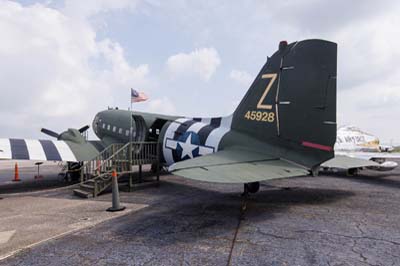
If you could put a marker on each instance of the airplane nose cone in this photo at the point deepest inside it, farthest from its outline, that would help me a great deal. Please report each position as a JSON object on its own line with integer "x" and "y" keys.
{"x": 96, "y": 124}
{"x": 389, "y": 165}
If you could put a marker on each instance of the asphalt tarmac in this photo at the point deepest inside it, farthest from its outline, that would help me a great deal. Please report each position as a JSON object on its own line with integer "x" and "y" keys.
{"x": 324, "y": 220}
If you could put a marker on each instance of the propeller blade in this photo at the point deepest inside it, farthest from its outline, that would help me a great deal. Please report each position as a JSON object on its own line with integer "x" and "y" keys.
{"x": 83, "y": 129}
{"x": 50, "y": 133}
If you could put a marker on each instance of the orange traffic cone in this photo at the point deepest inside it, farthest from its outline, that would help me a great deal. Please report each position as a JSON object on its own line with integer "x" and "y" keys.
{"x": 16, "y": 173}
{"x": 116, "y": 205}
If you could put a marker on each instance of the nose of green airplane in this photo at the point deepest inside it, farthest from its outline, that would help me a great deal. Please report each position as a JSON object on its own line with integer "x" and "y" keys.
{"x": 97, "y": 124}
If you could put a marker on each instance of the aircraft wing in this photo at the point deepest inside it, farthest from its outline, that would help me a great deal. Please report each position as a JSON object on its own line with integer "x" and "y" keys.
{"x": 347, "y": 162}
{"x": 236, "y": 166}
{"x": 48, "y": 150}
{"x": 373, "y": 155}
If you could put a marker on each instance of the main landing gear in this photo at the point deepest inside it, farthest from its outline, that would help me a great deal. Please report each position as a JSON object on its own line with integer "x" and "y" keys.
{"x": 353, "y": 172}
{"x": 252, "y": 187}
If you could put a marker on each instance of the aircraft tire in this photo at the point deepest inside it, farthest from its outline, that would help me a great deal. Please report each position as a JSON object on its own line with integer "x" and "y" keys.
{"x": 352, "y": 172}
{"x": 253, "y": 187}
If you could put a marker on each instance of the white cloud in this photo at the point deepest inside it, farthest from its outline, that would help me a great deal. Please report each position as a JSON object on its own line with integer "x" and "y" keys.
{"x": 161, "y": 106}
{"x": 201, "y": 63}
{"x": 120, "y": 71}
{"x": 370, "y": 52}
{"x": 368, "y": 79}
{"x": 242, "y": 77}
{"x": 373, "y": 106}
{"x": 368, "y": 38}
{"x": 88, "y": 8}
{"x": 58, "y": 68}
{"x": 47, "y": 68}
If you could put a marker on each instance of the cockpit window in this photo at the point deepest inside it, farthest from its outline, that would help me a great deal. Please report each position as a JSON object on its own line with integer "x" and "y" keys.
{"x": 95, "y": 123}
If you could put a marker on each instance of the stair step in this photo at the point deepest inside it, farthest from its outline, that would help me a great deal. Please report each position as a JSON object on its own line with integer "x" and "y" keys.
{"x": 90, "y": 182}
{"x": 82, "y": 193}
{"x": 87, "y": 187}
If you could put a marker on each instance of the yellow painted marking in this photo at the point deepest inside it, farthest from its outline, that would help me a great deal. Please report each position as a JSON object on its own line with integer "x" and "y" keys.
{"x": 272, "y": 78}
{"x": 260, "y": 116}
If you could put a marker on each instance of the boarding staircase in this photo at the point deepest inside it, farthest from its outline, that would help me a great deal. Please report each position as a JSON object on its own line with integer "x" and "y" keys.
{"x": 96, "y": 174}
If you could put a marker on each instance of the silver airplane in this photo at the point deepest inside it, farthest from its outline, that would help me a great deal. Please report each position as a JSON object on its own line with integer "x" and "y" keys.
{"x": 356, "y": 149}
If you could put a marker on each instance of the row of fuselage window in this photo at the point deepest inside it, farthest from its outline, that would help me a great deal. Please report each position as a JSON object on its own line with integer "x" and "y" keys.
{"x": 114, "y": 129}
{"x": 121, "y": 130}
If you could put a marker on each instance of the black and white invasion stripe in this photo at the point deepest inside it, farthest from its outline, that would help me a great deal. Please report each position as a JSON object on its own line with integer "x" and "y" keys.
{"x": 209, "y": 130}
{"x": 35, "y": 150}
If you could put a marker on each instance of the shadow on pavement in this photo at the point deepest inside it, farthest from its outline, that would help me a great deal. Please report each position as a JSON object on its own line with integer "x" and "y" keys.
{"x": 204, "y": 214}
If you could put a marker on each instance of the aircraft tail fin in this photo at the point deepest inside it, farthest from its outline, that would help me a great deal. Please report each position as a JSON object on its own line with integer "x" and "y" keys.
{"x": 292, "y": 102}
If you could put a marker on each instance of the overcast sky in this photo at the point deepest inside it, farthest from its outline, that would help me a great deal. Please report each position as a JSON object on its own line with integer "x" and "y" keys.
{"x": 63, "y": 61}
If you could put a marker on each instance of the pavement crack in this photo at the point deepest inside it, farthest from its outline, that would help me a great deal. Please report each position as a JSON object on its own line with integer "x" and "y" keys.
{"x": 353, "y": 249}
{"x": 182, "y": 258}
{"x": 350, "y": 236}
{"x": 275, "y": 236}
{"x": 358, "y": 226}
{"x": 243, "y": 208}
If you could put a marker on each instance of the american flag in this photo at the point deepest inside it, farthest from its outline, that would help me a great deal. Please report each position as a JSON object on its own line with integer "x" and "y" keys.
{"x": 138, "y": 96}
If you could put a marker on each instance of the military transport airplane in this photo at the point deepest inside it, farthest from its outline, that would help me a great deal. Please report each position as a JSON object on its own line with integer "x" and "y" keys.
{"x": 356, "y": 149}
{"x": 285, "y": 126}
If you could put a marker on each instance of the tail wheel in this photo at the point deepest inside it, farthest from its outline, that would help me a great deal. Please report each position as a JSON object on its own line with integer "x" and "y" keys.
{"x": 353, "y": 172}
{"x": 253, "y": 187}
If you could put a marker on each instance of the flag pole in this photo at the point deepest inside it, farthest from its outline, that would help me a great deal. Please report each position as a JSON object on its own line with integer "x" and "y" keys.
{"x": 130, "y": 129}
{"x": 130, "y": 133}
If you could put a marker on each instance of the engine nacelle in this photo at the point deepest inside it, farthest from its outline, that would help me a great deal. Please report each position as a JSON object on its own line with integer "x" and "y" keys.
{"x": 384, "y": 166}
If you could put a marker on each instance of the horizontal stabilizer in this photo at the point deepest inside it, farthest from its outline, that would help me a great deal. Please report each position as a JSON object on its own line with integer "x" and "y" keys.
{"x": 236, "y": 166}
{"x": 346, "y": 162}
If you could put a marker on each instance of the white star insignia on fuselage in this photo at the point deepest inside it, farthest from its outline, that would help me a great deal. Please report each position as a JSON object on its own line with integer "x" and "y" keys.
{"x": 188, "y": 147}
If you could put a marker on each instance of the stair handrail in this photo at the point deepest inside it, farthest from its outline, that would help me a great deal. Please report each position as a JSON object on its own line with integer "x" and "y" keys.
{"x": 104, "y": 161}
{"x": 99, "y": 157}
{"x": 118, "y": 151}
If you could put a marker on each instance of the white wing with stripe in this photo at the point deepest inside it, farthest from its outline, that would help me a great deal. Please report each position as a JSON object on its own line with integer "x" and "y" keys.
{"x": 5, "y": 149}
{"x": 35, "y": 150}
{"x": 64, "y": 151}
